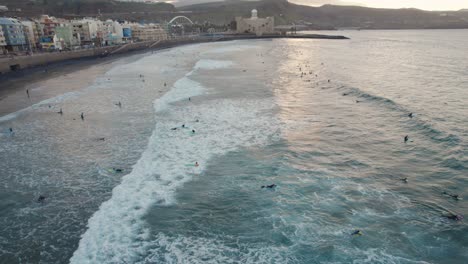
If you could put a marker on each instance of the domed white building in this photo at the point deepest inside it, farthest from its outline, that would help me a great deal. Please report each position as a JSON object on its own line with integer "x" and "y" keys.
{"x": 255, "y": 25}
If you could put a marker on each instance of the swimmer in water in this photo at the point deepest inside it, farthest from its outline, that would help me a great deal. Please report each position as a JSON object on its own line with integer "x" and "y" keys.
{"x": 41, "y": 199}
{"x": 183, "y": 125}
{"x": 406, "y": 138}
{"x": 119, "y": 104}
{"x": 117, "y": 170}
{"x": 455, "y": 217}
{"x": 410, "y": 115}
{"x": 405, "y": 180}
{"x": 357, "y": 233}
{"x": 454, "y": 196}
{"x": 271, "y": 186}
{"x": 196, "y": 164}
{"x": 174, "y": 128}
{"x": 11, "y": 130}
{"x": 193, "y": 131}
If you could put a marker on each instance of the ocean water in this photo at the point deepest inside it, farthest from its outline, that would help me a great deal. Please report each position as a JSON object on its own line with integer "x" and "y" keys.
{"x": 324, "y": 120}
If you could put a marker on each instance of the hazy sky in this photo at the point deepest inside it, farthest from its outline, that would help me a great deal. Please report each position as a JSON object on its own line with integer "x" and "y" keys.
{"x": 421, "y": 4}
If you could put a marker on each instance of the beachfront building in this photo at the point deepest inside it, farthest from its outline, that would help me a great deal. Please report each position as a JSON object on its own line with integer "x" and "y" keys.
{"x": 33, "y": 32}
{"x": 13, "y": 32}
{"x": 2, "y": 42}
{"x": 255, "y": 25}
{"x": 48, "y": 24}
{"x": 87, "y": 29}
{"x": 112, "y": 32}
{"x": 148, "y": 32}
{"x": 65, "y": 38}
{"x": 127, "y": 32}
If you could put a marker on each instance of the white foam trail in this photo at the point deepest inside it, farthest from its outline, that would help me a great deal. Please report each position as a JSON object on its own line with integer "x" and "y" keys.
{"x": 116, "y": 232}
{"x": 230, "y": 48}
{"x": 11, "y": 116}
{"x": 183, "y": 89}
{"x": 213, "y": 64}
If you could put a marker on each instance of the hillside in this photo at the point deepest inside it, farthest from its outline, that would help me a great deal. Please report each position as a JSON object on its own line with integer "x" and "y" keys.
{"x": 80, "y": 8}
{"x": 328, "y": 16}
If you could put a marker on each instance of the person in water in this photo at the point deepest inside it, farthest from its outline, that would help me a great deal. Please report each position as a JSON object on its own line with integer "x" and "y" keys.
{"x": 27, "y": 92}
{"x": 271, "y": 186}
{"x": 193, "y": 131}
{"x": 454, "y": 196}
{"x": 11, "y": 130}
{"x": 82, "y": 116}
{"x": 410, "y": 115}
{"x": 405, "y": 180}
{"x": 406, "y": 138}
{"x": 183, "y": 125}
{"x": 117, "y": 170}
{"x": 174, "y": 128}
{"x": 196, "y": 164}
{"x": 41, "y": 199}
{"x": 60, "y": 112}
{"x": 119, "y": 104}
{"x": 455, "y": 217}
{"x": 357, "y": 233}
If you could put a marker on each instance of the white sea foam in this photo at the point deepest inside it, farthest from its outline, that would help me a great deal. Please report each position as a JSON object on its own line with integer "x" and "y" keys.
{"x": 182, "y": 249}
{"x": 11, "y": 116}
{"x": 183, "y": 89}
{"x": 213, "y": 64}
{"x": 231, "y": 48}
{"x": 116, "y": 232}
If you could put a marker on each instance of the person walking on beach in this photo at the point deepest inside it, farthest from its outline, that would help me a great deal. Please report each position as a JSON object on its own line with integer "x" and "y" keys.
{"x": 27, "y": 92}
{"x": 82, "y": 116}
{"x": 60, "y": 112}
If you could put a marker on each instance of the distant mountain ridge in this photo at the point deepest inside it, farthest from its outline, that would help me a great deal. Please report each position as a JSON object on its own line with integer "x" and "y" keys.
{"x": 285, "y": 13}
{"x": 330, "y": 16}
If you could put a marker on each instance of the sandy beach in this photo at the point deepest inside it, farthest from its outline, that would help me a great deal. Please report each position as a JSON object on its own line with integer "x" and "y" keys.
{"x": 49, "y": 81}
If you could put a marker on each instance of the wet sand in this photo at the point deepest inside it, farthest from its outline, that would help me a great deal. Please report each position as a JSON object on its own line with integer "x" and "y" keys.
{"x": 49, "y": 81}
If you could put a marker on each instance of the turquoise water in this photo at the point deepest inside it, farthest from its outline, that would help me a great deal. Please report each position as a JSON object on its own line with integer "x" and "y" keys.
{"x": 331, "y": 139}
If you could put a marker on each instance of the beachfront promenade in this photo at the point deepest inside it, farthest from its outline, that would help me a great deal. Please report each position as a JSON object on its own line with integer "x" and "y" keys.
{"x": 16, "y": 63}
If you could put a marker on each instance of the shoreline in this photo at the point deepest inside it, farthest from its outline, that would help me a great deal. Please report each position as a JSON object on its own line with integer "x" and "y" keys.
{"x": 13, "y": 84}
{"x": 10, "y": 66}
